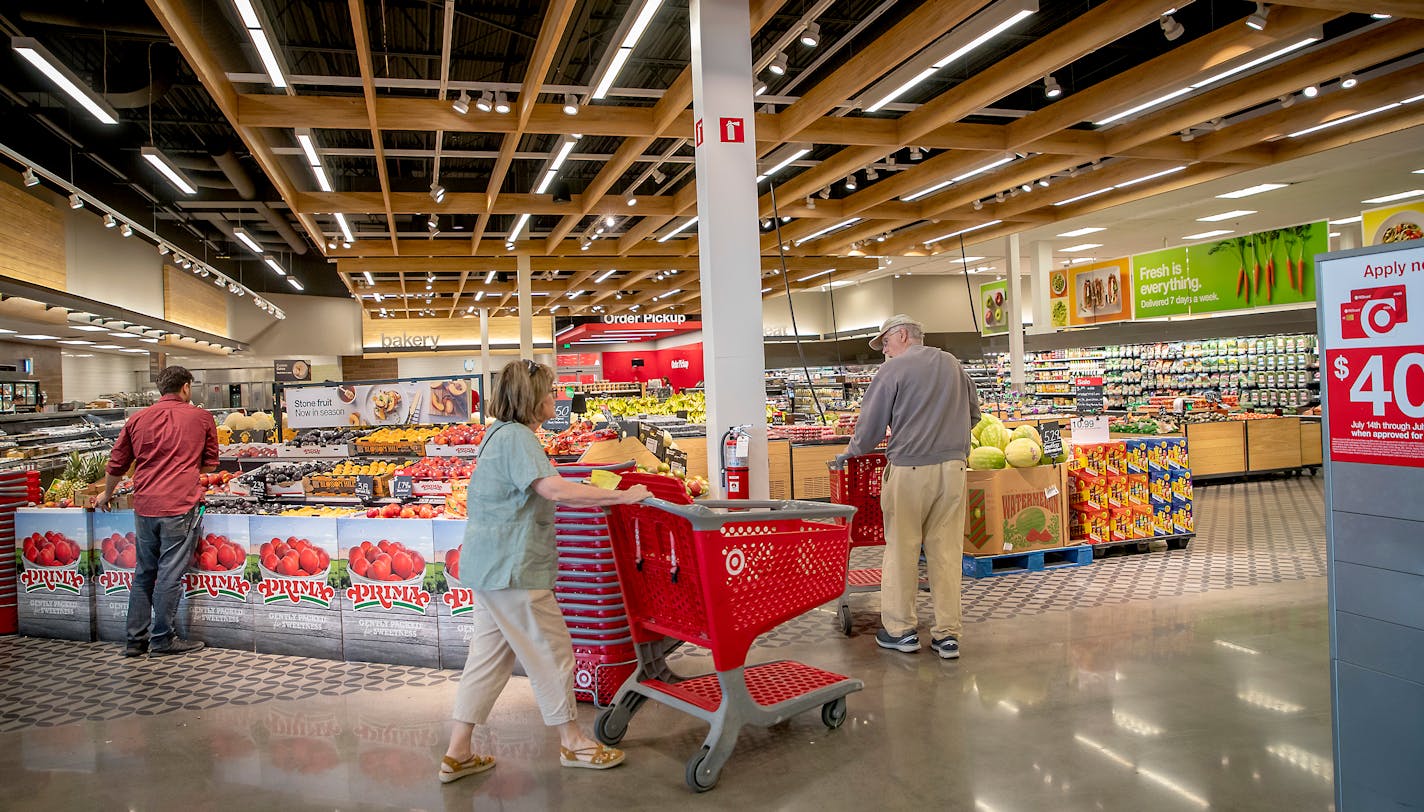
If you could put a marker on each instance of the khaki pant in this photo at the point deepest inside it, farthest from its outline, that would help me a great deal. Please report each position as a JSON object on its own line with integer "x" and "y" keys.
{"x": 923, "y": 505}
{"x": 526, "y": 623}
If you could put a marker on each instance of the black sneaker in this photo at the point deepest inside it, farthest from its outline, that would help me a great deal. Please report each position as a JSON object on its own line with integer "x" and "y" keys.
{"x": 177, "y": 647}
{"x": 136, "y": 649}
{"x": 908, "y": 643}
{"x": 947, "y": 648}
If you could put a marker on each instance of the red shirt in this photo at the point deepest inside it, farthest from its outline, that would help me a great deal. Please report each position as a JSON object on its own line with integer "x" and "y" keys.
{"x": 171, "y": 441}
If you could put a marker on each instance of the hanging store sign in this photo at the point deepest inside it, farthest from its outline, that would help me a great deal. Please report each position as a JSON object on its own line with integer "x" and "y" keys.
{"x": 1098, "y": 293}
{"x": 1393, "y": 224}
{"x": 381, "y": 404}
{"x": 647, "y": 318}
{"x": 994, "y": 307}
{"x": 291, "y": 370}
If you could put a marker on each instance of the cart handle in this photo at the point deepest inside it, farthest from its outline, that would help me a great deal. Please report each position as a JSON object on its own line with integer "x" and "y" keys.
{"x": 840, "y": 460}
{"x": 711, "y": 515}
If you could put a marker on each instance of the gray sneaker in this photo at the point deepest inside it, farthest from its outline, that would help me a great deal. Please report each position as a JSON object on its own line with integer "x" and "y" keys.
{"x": 908, "y": 643}
{"x": 947, "y": 648}
{"x": 177, "y": 647}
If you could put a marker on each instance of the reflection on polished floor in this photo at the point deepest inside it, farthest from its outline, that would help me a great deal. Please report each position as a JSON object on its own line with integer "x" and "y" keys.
{"x": 1187, "y": 680}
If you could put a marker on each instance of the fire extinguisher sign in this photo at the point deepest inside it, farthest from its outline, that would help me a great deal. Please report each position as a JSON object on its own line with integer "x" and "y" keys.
{"x": 1372, "y": 362}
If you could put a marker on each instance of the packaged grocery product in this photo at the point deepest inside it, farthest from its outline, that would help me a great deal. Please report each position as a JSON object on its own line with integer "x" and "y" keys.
{"x": 1115, "y": 458}
{"x": 1141, "y": 522}
{"x": 1157, "y": 456}
{"x": 1087, "y": 491}
{"x": 1137, "y": 456}
{"x": 1182, "y": 518}
{"x": 1116, "y": 491}
{"x": 1176, "y": 452}
{"x": 1088, "y": 459}
{"x": 1159, "y": 490}
{"x": 1137, "y": 492}
{"x": 1091, "y": 526}
{"x": 1180, "y": 481}
{"x": 1120, "y": 524}
{"x": 1162, "y": 520}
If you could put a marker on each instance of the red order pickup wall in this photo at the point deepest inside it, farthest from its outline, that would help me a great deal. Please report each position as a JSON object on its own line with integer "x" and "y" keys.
{"x": 682, "y": 366}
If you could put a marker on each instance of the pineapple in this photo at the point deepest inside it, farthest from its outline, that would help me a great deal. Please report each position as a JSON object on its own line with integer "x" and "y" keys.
{"x": 93, "y": 468}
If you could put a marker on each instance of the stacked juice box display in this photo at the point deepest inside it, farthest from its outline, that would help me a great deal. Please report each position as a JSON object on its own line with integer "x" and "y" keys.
{"x": 58, "y": 571}
{"x": 387, "y": 610}
{"x": 299, "y": 581}
{"x": 218, "y": 592}
{"x": 116, "y": 539}
{"x": 455, "y": 601}
{"x": 1130, "y": 489}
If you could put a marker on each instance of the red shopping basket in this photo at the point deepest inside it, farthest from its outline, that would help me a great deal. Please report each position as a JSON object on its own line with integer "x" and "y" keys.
{"x": 856, "y": 481}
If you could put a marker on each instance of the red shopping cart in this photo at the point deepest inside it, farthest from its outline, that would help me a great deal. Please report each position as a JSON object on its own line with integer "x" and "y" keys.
{"x": 855, "y": 481}
{"x": 718, "y": 574}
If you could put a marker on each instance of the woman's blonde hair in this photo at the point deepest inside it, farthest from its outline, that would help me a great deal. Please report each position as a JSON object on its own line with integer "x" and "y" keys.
{"x": 521, "y": 388}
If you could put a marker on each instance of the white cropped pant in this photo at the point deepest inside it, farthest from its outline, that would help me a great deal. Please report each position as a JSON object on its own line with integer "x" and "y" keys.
{"x": 523, "y": 623}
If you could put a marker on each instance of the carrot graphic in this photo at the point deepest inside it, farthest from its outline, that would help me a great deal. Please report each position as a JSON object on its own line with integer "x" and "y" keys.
{"x": 1255, "y": 246}
{"x": 1235, "y": 247}
{"x": 1289, "y": 236}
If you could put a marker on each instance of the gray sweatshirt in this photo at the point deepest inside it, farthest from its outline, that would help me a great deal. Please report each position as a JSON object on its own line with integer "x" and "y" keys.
{"x": 929, "y": 403}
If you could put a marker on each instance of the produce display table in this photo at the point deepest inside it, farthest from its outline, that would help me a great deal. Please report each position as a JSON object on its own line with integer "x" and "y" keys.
{"x": 1273, "y": 444}
{"x": 1312, "y": 449}
{"x": 1218, "y": 449}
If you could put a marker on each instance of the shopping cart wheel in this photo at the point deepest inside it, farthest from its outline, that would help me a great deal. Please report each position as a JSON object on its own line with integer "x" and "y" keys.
{"x": 833, "y": 714}
{"x": 843, "y": 618}
{"x": 693, "y": 780}
{"x": 611, "y": 725}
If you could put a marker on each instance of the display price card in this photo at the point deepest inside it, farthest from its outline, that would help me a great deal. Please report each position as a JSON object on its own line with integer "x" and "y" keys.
{"x": 652, "y": 439}
{"x": 563, "y": 410}
{"x": 258, "y": 488}
{"x": 365, "y": 487}
{"x": 1090, "y": 394}
{"x": 1052, "y": 435}
{"x": 677, "y": 461}
{"x": 1088, "y": 430}
{"x": 401, "y": 487}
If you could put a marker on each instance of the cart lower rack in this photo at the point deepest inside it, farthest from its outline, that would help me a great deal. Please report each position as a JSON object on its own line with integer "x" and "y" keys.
{"x": 718, "y": 575}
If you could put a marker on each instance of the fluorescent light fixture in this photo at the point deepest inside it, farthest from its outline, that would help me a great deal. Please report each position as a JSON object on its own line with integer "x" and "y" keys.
{"x": 928, "y": 190}
{"x": 1146, "y": 178}
{"x": 966, "y": 260}
{"x": 345, "y": 227}
{"x": 827, "y": 230}
{"x": 246, "y": 239}
{"x": 519, "y": 223}
{"x": 167, "y": 169}
{"x": 479, "y": 294}
{"x": 544, "y": 182}
{"x": 37, "y": 55}
{"x": 620, "y": 57}
{"x": 369, "y": 280}
{"x": 910, "y": 198}
{"x": 1082, "y": 232}
{"x": 123, "y": 335}
{"x": 800, "y": 151}
{"x": 979, "y": 29}
{"x": 1226, "y": 215}
{"x": 1206, "y": 235}
{"x": 292, "y": 280}
{"x": 1079, "y": 260}
{"x": 1357, "y": 218}
{"x": 640, "y": 24}
{"x": 1394, "y": 197}
{"x": 686, "y": 224}
{"x": 88, "y": 328}
{"x": 814, "y": 275}
{"x": 963, "y": 231}
{"x": 37, "y": 337}
{"x": 76, "y": 342}
{"x": 1342, "y": 120}
{"x": 1081, "y": 247}
{"x": 1252, "y": 190}
{"x": 562, "y": 155}
{"x": 1085, "y": 196}
{"x": 272, "y": 263}
{"x": 304, "y": 138}
{"x": 134, "y": 350}
{"x": 108, "y": 347}
{"x": 322, "y": 181}
{"x": 489, "y": 277}
{"x": 602, "y": 277}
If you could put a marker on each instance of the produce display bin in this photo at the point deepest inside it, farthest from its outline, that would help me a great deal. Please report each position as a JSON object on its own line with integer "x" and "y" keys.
{"x": 1273, "y": 444}
{"x": 1218, "y": 449}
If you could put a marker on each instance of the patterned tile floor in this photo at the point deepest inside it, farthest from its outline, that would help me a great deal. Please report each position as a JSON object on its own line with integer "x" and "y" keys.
{"x": 1249, "y": 534}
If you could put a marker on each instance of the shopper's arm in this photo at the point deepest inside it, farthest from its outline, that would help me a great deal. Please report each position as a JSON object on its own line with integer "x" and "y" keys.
{"x": 210, "y": 450}
{"x": 974, "y": 414}
{"x": 559, "y": 489}
{"x": 874, "y": 415}
{"x": 120, "y": 458}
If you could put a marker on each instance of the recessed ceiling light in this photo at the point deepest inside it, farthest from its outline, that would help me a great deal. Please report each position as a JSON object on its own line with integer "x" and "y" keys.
{"x": 1082, "y": 232}
{"x": 1252, "y": 190}
{"x": 37, "y": 337}
{"x": 1206, "y": 235}
{"x": 123, "y": 335}
{"x": 1087, "y": 246}
{"x": 1226, "y": 215}
{"x": 88, "y": 328}
{"x": 107, "y": 347}
{"x": 1396, "y": 196}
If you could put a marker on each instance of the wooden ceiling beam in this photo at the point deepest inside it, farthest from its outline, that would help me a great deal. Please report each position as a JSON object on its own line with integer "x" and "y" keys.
{"x": 409, "y": 268}
{"x": 368, "y": 89}
{"x": 1396, "y": 8}
{"x": 471, "y": 203}
{"x": 1386, "y": 123}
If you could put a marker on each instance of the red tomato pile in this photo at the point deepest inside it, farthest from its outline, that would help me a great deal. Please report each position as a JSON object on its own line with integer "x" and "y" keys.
{"x": 218, "y": 554}
{"x": 51, "y": 549}
{"x": 385, "y": 561}
{"x": 452, "y": 562}
{"x": 294, "y": 556}
{"x": 119, "y": 550}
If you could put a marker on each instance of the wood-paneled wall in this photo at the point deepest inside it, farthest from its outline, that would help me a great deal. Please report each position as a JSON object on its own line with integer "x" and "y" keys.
{"x": 33, "y": 248}
{"x": 356, "y": 368}
{"x": 194, "y": 302}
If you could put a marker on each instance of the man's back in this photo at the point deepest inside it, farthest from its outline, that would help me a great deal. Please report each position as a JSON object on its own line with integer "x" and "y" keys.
{"x": 169, "y": 442}
{"x": 928, "y": 403}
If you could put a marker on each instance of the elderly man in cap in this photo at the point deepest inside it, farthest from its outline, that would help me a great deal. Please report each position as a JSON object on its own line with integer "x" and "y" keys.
{"x": 929, "y": 404}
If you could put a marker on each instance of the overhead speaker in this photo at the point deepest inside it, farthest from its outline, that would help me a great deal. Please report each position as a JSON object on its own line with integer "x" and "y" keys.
{"x": 561, "y": 192}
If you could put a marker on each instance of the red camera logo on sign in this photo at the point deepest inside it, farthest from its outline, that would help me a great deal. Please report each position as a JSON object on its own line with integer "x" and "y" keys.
{"x": 1372, "y": 312}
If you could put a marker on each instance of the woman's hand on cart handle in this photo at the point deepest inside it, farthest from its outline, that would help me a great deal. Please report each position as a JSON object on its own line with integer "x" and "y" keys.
{"x": 636, "y": 494}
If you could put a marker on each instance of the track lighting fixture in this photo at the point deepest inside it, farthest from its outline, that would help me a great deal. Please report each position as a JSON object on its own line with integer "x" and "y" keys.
{"x": 811, "y": 35}
{"x": 571, "y": 107}
{"x": 1027, "y": 187}
{"x": 1187, "y": 135}
{"x": 760, "y": 89}
{"x": 1051, "y": 88}
{"x": 810, "y": 202}
{"x": 501, "y": 103}
{"x": 31, "y": 179}
{"x": 1171, "y": 29}
{"x": 1310, "y": 91}
{"x": 163, "y": 249}
{"x": 1043, "y": 182}
{"x": 850, "y": 182}
{"x": 1258, "y": 19}
{"x": 1347, "y": 81}
{"x": 778, "y": 65}
{"x": 825, "y": 193}
{"x": 485, "y": 103}
{"x": 999, "y": 198}
{"x": 76, "y": 202}
{"x": 765, "y": 224}
{"x": 1287, "y": 100}
{"x": 126, "y": 230}
{"x": 461, "y": 103}
{"x": 915, "y": 154}
{"x": 109, "y": 221}
{"x": 658, "y": 177}
{"x": 632, "y": 201}
{"x": 978, "y": 204}
{"x": 871, "y": 174}
{"x": 437, "y": 192}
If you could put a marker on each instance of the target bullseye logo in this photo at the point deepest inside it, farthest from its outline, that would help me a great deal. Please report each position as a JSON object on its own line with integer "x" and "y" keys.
{"x": 736, "y": 561}
{"x": 584, "y": 678}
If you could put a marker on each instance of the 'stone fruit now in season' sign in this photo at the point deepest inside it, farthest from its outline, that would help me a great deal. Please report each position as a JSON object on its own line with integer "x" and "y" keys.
{"x": 1373, "y": 363}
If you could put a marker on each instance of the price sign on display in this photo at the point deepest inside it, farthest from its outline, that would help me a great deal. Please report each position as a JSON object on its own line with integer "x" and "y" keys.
{"x": 365, "y": 487}
{"x": 401, "y": 487}
{"x": 1052, "y": 435}
{"x": 258, "y": 488}
{"x": 1373, "y": 357}
{"x": 677, "y": 461}
{"x": 1090, "y": 394}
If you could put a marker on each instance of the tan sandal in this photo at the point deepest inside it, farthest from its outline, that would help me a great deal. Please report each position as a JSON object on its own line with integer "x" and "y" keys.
{"x": 596, "y": 757}
{"x": 452, "y": 770}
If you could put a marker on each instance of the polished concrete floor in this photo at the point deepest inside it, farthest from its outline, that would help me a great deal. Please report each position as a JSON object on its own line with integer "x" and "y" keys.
{"x": 1189, "y": 680}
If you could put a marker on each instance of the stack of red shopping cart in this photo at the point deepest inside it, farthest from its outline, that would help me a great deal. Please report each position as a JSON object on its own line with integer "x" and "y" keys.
{"x": 587, "y": 591}
{"x": 17, "y": 488}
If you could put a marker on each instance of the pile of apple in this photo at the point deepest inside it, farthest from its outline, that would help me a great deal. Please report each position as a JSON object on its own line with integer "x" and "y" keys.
{"x": 439, "y": 468}
{"x": 385, "y": 561}
{"x": 293, "y": 557}
{"x": 216, "y": 482}
{"x": 119, "y": 550}
{"x": 459, "y": 434}
{"x": 217, "y": 553}
{"x": 51, "y": 549}
{"x": 395, "y": 511}
{"x": 696, "y": 486}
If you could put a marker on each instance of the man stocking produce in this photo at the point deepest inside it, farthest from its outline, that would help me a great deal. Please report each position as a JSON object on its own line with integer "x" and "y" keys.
{"x": 927, "y": 400}
{"x": 171, "y": 443}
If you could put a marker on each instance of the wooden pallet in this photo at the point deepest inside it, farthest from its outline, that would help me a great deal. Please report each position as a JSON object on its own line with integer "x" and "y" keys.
{"x": 989, "y": 566}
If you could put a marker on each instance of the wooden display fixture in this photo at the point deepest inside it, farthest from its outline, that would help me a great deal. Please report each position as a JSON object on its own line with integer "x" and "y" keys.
{"x": 1217, "y": 449}
{"x": 778, "y": 454}
{"x": 608, "y": 452}
{"x": 1312, "y": 449}
{"x": 810, "y": 477}
{"x": 1272, "y": 444}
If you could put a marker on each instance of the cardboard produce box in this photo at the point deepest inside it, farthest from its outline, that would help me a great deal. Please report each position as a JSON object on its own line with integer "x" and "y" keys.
{"x": 58, "y": 570}
{"x": 1015, "y": 510}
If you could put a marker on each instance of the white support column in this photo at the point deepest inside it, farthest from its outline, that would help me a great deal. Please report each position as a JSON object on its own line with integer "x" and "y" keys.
{"x": 526, "y": 309}
{"x": 1040, "y": 267}
{"x": 1015, "y": 308}
{"x": 485, "y": 371}
{"x": 730, "y": 254}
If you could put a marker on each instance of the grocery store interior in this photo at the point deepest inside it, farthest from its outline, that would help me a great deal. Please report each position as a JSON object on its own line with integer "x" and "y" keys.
{"x": 346, "y": 217}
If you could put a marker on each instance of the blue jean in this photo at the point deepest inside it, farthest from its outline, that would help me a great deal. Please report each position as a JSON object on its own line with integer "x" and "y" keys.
{"x": 165, "y": 547}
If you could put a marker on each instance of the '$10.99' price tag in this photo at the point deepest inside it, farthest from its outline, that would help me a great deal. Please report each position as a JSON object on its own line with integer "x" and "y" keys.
{"x": 1376, "y": 405}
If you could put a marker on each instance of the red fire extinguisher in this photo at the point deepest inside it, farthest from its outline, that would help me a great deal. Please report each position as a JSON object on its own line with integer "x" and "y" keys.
{"x": 736, "y": 473}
